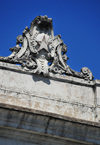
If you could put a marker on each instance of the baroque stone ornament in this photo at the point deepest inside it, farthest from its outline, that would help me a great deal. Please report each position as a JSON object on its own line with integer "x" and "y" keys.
{"x": 38, "y": 51}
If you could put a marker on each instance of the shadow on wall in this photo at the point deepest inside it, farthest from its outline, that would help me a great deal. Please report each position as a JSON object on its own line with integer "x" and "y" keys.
{"x": 43, "y": 79}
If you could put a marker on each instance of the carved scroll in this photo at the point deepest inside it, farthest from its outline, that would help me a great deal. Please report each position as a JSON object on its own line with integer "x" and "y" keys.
{"x": 39, "y": 51}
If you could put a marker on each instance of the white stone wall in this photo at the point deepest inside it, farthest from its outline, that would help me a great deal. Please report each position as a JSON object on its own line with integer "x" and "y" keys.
{"x": 63, "y": 96}
{"x": 55, "y": 110}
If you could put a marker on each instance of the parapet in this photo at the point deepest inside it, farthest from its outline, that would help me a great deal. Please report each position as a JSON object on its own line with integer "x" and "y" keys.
{"x": 36, "y": 79}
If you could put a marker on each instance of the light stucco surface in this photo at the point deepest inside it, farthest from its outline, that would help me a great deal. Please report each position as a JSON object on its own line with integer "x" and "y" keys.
{"x": 67, "y": 97}
{"x": 55, "y": 96}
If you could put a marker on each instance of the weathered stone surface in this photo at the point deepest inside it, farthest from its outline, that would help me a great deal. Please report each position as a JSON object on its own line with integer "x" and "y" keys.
{"x": 18, "y": 127}
{"x": 66, "y": 96}
{"x": 38, "y": 51}
{"x": 34, "y": 92}
{"x": 42, "y": 100}
{"x": 98, "y": 93}
{"x": 47, "y": 110}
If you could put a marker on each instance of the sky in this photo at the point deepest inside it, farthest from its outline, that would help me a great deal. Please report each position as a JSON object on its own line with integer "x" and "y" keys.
{"x": 78, "y": 22}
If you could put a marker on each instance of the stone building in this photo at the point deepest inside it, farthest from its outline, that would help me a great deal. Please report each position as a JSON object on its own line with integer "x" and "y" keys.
{"x": 42, "y": 100}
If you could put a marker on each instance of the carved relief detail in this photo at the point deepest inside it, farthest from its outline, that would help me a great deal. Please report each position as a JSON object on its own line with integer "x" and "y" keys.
{"x": 37, "y": 50}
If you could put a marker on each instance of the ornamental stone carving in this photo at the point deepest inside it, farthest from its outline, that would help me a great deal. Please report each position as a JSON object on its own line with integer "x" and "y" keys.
{"x": 38, "y": 51}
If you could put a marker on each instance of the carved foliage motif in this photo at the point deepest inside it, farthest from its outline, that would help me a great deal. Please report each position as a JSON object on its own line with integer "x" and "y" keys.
{"x": 37, "y": 50}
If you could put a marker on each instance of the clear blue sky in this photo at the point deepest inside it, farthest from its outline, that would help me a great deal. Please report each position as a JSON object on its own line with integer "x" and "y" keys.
{"x": 78, "y": 22}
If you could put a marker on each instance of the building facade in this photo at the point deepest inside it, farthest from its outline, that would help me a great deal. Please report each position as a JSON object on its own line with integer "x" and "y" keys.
{"x": 42, "y": 100}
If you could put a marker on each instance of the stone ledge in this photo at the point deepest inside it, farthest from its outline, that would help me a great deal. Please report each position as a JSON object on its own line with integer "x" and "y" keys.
{"x": 64, "y": 96}
{"x": 58, "y": 129}
{"x": 70, "y": 79}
